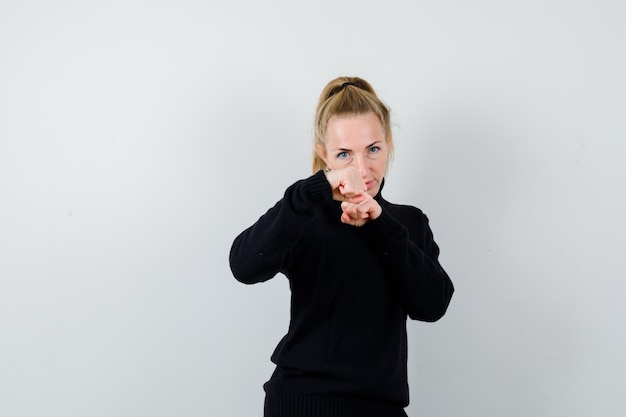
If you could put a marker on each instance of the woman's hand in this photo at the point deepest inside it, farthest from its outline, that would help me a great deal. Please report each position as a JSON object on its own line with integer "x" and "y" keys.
{"x": 357, "y": 214}
{"x": 348, "y": 187}
{"x": 347, "y": 184}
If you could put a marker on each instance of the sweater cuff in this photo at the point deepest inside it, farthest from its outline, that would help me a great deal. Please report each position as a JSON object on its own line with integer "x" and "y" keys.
{"x": 384, "y": 225}
{"x": 316, "y": 188}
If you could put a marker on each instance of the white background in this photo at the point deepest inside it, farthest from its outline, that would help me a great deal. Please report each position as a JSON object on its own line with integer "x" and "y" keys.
{"x": 138, "y": 138}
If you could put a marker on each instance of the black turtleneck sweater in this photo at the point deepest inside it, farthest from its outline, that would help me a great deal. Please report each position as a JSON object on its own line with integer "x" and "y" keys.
{"x": 352, "y": 288}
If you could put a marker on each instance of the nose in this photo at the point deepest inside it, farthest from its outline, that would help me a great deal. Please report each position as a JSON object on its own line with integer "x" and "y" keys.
{"x": 361, "y": 165}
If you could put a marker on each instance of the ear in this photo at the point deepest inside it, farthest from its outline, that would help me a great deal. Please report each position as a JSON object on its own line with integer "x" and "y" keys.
{"x": 320, "y": 150}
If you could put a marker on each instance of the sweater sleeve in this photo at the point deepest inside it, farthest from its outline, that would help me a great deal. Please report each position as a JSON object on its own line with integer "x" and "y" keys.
{"x": 412, "y": 261}
{"x": 260, "y": 251}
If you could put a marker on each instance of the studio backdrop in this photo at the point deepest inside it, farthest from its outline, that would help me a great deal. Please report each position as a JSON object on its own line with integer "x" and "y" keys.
{"x": 138, "y": 138}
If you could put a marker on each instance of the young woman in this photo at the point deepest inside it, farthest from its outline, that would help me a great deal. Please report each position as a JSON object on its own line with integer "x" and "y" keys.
{"x": 357, "y": 266}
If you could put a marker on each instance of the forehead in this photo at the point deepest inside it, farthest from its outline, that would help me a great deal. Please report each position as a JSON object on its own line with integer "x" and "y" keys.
{"x": 354, "y": 130}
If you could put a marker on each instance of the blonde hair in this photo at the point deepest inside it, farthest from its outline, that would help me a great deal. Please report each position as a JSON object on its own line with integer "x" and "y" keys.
{"x": 347, "y": 96}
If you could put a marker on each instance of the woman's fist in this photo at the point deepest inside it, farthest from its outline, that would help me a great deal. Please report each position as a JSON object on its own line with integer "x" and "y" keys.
{"x": 347, "y": 184}
{"x": 357, "y": 214}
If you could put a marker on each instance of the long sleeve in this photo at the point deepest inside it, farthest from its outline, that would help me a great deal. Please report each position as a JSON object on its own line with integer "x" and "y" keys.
{"x": 410, "y": 255}
{"x": 260, "y": 251}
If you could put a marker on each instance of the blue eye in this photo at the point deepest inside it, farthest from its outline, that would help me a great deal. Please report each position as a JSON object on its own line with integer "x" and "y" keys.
{"x": 374, "y": 149}
{"x": 342, "y": 155}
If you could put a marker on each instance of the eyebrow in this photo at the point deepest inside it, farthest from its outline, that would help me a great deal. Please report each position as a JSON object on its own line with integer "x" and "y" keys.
{"x": 368, "y": 146}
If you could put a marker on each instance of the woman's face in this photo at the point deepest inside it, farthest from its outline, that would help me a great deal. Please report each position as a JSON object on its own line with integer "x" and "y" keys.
{"x": 359, "y": 141}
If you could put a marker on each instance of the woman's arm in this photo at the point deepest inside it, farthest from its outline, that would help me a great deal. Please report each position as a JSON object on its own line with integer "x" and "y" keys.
{"x": 259, "y": 252}
{"x": 411, "y": 258}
